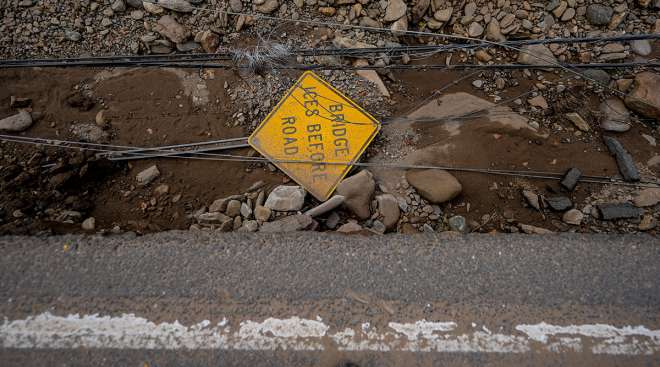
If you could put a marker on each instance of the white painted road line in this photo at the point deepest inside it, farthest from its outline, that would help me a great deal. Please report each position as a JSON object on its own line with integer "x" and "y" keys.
{"x": 131, "y": 332}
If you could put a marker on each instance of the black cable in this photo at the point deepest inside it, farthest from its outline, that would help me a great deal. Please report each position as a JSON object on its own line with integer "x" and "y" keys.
{"x": 337, "y": 52}
{"x": 337, "y": 67}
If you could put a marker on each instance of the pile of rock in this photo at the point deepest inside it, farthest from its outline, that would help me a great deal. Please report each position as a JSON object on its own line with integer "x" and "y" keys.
{"x": 357, "y": 206}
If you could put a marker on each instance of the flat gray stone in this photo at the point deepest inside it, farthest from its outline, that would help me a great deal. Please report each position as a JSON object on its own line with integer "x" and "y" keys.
{"x": 624, "y": 160}
{"x": 619, "y": 211}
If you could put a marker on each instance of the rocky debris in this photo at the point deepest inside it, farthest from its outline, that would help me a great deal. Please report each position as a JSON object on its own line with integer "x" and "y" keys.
{"x": 641, "y": 47}
{"x": 647, "y": 197}
{"x": 245, "y": 210}
{"x": 645, "y": 96}
{"x": 536, "y": 55}
{"x": 529, "y": 229}
{"x": 378, "y": 227}
{"x": 100, "y": 119}
{"x": 18, "y": 122}
{"x": 647, "y": 223}
{"x": 539, "y": 102}
{"x": 262, "y": 213}
{"x": 615, "y": 115}
{"x": 89, "y": 224}
{"x": 372, "y": 76}
{"x": 559, "y": 203}
{"x": 214, "y": 218}
{"x": 181, "y": 6}
{"x": 209, "y": 40}
{"x": 395, "y": 10}
{"x": 533, "y": 199}
{"x": 249, "y": 226}
{"x": 161, "y": 190}
{"x": 332, "y": 221}
{"x": 570, "y": 179}
{"x": 152, "y": 8}
{"x": 598, "y": 14}
{"x": 600, "y": 77}
{"x": 436, "y": 186}
{"x": 475, "y": 30}
{"x": 619, "y": 211}
{"x": 170, "y": 28}
{"x": 419, "y": 10}
{"x": 89, "y": 132}
{"x": 268, "y": 6}
{"x": 388, "y": 208}
{"x": 573, "y": 217}
{"x": 286, "y": 198}
{"x": 457, "y": 223}
{"x": 578, "y": 121}
{"x": 327, "y": 206}
{"x": 358, "y": 190}
{"x": 624, "y": 160}
{"x": 219, "y": 205}
{"x": 233, "y": 208}
{"x": 72, "y": 36}
{"x": 292, "y": 223}
{"x": 350, "y": 227}
{"x": 494, "y": 31}
{"x": 147, "y": 176}
{"x": 236, "y": 6}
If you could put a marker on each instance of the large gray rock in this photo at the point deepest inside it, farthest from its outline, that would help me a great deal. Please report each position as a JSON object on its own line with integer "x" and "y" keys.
{"x": 619, "y": 211}
{"x": 358, "y": 190}
{"x": 18, "y": 122}
{"x": 599, "y": 14}
{"x": 645, "y": 96}
{"x": 388, "y": 207}
{"x": 170, "y": 28}
{"x": 291, "y": 223}
{"x": 436, "y": 186}
{"x": 286, "y": 198}
{"x": 536, "y": 55}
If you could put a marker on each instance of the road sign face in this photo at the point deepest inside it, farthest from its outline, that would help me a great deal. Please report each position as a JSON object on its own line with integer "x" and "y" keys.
{"x": 314, "y": 135}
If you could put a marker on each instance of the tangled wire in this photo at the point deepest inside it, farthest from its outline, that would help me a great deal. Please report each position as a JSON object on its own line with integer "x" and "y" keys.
{"x": 262, "y": 58}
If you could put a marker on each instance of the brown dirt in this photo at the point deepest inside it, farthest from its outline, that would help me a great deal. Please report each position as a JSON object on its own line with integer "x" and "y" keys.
{"x": 146, "y": 108}
{"x": 153, "y": 107}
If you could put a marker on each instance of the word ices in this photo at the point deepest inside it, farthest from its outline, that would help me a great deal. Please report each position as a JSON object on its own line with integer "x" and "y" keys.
{"x": 310, "y": 142}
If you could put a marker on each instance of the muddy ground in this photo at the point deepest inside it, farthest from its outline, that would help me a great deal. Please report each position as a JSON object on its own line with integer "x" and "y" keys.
{"x": 155, "y": 107}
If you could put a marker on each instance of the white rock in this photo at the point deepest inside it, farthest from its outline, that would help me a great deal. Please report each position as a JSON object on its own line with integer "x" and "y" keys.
{"x": 573, "y": 217}
{"x": 326, "y": 206}
{"x": 145, "y": 177}
{"x": 286, "y": 198}
{"x": 18, "y": 122}
{"x": 89, "y": 224}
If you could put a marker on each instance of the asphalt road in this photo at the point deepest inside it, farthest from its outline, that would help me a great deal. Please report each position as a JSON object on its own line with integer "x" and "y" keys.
{"x": 181, "y": 298}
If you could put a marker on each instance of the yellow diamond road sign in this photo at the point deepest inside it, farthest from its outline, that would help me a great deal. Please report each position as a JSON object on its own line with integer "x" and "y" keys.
{"x": 314, "y": 135}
